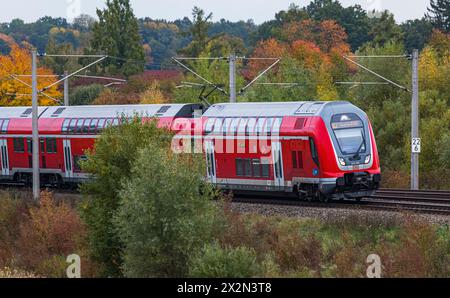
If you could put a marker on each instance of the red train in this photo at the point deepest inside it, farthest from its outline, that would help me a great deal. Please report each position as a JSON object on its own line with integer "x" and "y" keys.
{"x": 318, "y": 150}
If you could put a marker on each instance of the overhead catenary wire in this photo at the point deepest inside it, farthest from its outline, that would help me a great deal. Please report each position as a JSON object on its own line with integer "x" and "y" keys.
{"x": 376, "y": 74}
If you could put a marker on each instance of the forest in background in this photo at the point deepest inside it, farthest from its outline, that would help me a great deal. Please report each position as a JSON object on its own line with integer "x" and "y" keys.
{"x": 311, "y": 41}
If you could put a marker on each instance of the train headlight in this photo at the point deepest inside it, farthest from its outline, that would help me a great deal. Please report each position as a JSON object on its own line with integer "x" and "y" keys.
{"x": 368, "y": 158}
{"x": 342, "y": 161}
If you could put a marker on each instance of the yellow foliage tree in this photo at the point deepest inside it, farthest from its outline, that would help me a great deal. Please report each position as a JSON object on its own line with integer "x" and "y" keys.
{"x": 153, "y": 95}
{"x": 15, "y": 93}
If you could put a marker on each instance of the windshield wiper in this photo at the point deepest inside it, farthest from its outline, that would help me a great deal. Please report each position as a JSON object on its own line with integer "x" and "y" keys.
{"x": 357, "y": 155}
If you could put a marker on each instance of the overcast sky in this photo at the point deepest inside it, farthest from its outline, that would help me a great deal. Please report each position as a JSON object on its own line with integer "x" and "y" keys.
{"x": 258, "y": 10}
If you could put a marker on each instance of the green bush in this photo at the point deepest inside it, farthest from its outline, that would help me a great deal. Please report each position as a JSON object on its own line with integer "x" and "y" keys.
{"x": 166, "y": 213}
{"x": 217, "y": 262}
{"x": 110, "y": 163}
{"x": 85, "y": 95}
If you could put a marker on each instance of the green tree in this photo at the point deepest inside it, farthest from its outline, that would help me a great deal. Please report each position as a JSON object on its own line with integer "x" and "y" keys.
{"x": 117, "y": 34}
{"x": 111, "y": 164}
{"x": 416, "y": 33}
{"x": 385, "y": 29}
{"x": 199, "y": 32}
{"x": 439, "y": 14}
{"x": 166, "y": 213}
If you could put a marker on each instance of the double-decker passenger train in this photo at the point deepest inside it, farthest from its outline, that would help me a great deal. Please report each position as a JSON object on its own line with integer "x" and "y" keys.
{"x": 317, "y": 150}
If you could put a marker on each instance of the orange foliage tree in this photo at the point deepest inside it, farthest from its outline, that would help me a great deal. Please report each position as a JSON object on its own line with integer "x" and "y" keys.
{"x": 270, "y": 48}
{"x": 15, "y": 93}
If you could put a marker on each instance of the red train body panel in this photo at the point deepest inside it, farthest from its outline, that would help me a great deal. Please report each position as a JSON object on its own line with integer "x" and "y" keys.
{"x": 314, "y": 149}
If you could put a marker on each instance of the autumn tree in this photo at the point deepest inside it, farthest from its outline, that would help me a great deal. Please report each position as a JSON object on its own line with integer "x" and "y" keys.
{"x": 15, "y": 93}
{"x": 117, "y": 34}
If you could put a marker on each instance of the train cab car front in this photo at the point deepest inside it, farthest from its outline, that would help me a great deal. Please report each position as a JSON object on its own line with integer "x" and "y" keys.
{"x": 356, "y": 165}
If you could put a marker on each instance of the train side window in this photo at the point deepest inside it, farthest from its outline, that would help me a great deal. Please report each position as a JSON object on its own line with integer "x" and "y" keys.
{"x": 294, "y": 160}
{"x": 314, "y": 154}
{"x": 19, "y": 145}
{"x": 268, "y": 126}
{"x": 209, "y": 125}
{"x": 256, "y": 168}
{"x": 4, "y": 126}
{"x": 51, "y": 145}
{"x": 109, "y": 122}
{"x": 101, "y": 125}
{"x": 242, "y": 126}
{"x": 260, "y": 125}
{"x": 250, "y": 128}
{"x": 86, "y": 126}
{"x": 226, "y": 128}
{"x": 79, "y": 126}
{"x": 72, "y": 126}
{"x": 115, "y": 122}
{"x": 277, "y": 125}
{"x": 42, "y": 142}
{"x": 248, "y": 167}
{"x": 30, "y": 145}
{"x": 65, "y": 126}
{"x": 93, "y": 126}
{"x": 239, "y": 167}
{"x": 234, "y": 126}
{"x": 218, "y": 125}
{"x": 265, "y": 169}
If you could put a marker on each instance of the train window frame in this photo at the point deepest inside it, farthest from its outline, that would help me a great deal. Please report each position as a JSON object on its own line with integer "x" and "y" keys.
{"x": 218, "y": 125}
{"x": 15, "y": 140}
{"x": 242, "y": 126}
{"x": 51, "y": 145}
{"x": 251, "y": 125}
{"x": 239, "y": 167}
{"x": 314, "y": 152}
{"x": 79, "y": 126}
{"x": 265, "y": 169}
{"x": 226, "y": 126}
{"x": 4, "y": 126}
{"x": 234, "y": 125}
{"x": 115, "y": 122}
{"x": 362, "y": 127}
{"x": 260, "y": 125}
{"x": 209, "y": 126}
{"x": 248, "y": 167}
{"x": 101, "y": 125}
{"x": 277, "y": 125}
{"x": 65, "y": 125}
{"x": 93, "y": 126}
{"x": 29, "y": 142}
{"x": 256, "y": 167}
{"x": 72, "y": 126}
{"x": 86, "y": 126}
{"x": 42, "y": 145}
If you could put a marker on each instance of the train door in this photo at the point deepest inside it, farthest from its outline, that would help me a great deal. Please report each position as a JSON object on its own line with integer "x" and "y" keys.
{"x": 68, "y": 162}
{"x": 4, "y": 160}
{"x": 278, "y": 163}
{"x": 210, "y": 161}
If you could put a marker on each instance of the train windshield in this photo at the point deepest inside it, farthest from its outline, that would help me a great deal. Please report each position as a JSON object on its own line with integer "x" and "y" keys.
{"x": 349, "y": 132}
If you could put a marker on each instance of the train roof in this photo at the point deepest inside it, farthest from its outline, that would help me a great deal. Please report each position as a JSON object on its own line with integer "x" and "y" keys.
{"x": 271, "y": 109}
{"x": 18, "y": 112}
{"x": 103, "y": 111}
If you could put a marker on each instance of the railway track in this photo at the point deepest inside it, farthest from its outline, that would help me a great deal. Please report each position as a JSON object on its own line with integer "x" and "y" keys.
{"x": 433, "y": 202}
{"x": 420, "y": 201}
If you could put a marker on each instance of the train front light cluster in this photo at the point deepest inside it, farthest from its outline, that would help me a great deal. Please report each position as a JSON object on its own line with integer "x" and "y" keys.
{"x": 342, "y": 161}
{"x": 368, "y": 158}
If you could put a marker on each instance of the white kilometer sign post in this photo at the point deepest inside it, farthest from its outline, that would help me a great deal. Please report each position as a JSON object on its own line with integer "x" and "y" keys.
{"x": 416, "y": 145}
